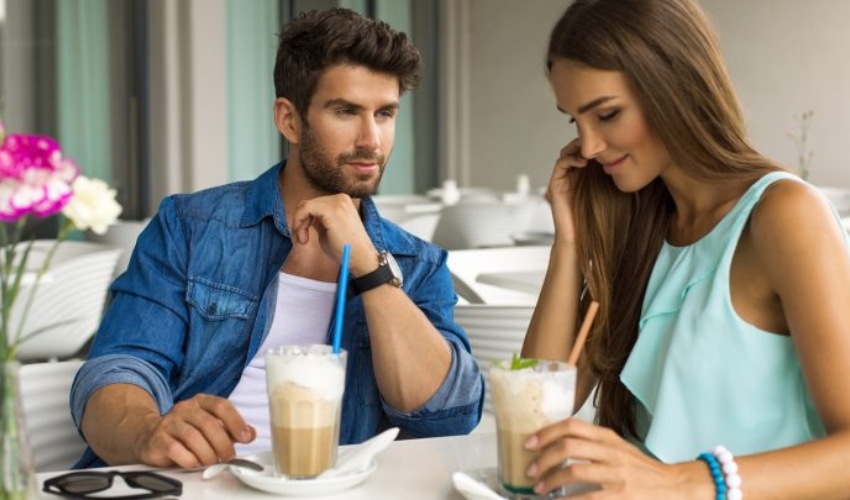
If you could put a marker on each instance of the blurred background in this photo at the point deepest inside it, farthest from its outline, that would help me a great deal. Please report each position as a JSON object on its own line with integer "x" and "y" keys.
{"x": 165, "y": 96}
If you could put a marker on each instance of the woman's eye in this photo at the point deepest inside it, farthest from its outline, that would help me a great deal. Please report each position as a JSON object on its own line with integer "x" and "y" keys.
{"x": 609, "y": 116}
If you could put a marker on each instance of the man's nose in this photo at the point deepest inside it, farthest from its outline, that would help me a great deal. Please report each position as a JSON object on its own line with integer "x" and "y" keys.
{"x": 369, "y": 136}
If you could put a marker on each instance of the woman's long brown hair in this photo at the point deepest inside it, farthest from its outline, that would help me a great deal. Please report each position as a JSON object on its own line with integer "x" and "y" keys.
{"x": 671, "y": 59}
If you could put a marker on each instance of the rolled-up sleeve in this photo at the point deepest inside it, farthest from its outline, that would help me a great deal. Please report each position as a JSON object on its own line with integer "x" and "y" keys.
{"x": 456, "y": 406}
{"x": 117, "y": 369}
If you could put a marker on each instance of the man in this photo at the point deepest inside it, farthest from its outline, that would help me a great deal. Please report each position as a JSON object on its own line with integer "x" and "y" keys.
{"x": 176, "y": 372}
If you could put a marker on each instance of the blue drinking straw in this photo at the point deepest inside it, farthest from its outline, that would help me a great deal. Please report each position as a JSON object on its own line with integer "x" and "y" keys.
{"x": 341, "y": 292}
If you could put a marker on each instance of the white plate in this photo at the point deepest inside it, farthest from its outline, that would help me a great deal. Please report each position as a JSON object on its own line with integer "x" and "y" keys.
{"x": 268, "y": 482}
{"x": 489, "y": 477}
{"x": 485, "y": 477}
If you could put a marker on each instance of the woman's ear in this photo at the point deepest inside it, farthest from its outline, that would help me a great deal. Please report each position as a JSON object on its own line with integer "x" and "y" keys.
{"x": 287, "y": 120}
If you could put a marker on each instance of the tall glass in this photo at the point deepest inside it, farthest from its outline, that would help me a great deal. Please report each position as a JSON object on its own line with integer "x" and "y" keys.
{"x": 525, "y": 400}
{"x": 305, "y": 384}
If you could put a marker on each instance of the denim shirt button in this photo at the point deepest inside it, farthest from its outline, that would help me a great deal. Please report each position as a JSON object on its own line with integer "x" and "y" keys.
{"x": 213, "y": 308}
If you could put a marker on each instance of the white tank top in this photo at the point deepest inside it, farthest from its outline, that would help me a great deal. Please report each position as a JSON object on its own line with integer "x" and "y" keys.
{"x": 302, "y": 316}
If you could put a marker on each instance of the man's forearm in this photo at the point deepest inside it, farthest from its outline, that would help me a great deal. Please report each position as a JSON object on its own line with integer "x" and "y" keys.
{"x": 411, "y": 358}
{"x": 115, "y": 418}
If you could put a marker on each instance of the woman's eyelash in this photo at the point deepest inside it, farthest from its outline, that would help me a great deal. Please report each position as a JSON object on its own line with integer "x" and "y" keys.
{"x": 606, "y": 117}
{"x": 609, "y": 116}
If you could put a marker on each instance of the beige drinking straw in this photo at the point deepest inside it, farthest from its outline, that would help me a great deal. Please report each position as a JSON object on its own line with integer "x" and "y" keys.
{"x": 582, "y": 333}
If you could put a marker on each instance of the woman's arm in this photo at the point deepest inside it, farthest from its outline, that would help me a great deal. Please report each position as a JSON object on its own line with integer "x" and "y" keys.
{"x": 798, "y": 248}
{"x": 551, "y": 332}
{"x": 806, "y": 262}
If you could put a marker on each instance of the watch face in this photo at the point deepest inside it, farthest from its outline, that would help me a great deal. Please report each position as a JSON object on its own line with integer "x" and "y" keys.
{"x": 397, "y": 276}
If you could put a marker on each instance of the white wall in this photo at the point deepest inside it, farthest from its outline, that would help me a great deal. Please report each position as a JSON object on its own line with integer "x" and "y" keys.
{"x": 784, "y": 56}
{"x": 515, "y": 126}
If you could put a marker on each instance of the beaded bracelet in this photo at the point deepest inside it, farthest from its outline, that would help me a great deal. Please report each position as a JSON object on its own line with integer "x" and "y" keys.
{"x": 716, "y": 474}
{"x": 730, "y": 471}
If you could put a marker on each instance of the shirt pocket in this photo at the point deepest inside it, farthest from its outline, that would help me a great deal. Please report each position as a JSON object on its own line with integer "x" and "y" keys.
{"x": 221, "y": 317}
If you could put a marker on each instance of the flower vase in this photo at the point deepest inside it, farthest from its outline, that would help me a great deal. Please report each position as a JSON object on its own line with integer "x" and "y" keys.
{"x": 17, "y": 473}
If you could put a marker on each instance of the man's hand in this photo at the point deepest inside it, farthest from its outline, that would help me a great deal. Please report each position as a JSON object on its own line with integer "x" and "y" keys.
{"x": 198, "y": 431}
{"x": 122, "y": 424}
{"x": 336, "y": 221}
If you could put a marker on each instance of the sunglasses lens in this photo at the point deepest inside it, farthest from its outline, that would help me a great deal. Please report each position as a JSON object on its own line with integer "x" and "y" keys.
{"x": 81, "y": 483}
{"x": 154, "y": 483}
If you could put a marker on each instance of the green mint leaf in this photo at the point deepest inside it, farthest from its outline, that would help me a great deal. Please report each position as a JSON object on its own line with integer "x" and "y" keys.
{"x": 518, "y": 363}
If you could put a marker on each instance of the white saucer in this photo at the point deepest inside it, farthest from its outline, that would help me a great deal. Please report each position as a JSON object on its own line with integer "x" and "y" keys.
{"x": 268, "y": 482}
{"x": 485, "y": 478}
{"x": 489, "y": 477}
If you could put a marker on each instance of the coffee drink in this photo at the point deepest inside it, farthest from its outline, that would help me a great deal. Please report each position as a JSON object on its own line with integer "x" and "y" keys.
{"x": 524, "y": 401}
{"x": 305, "y": 399}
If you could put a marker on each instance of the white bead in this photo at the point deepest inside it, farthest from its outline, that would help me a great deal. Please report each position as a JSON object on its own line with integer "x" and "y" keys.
{"x": 719, "y": 449}
{"x": 725, "y": 457}
{"x": 733, "y": 481}
{"x": 730, "y": 467}
{"x": 734, "y": 494}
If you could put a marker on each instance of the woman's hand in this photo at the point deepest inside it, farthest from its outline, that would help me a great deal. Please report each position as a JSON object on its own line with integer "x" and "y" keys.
{"x": 559, "y": 193}
{"x": 605, "y": 459}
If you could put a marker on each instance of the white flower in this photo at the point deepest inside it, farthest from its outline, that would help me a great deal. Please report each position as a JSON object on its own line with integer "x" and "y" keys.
{"x": 92, "y": 205}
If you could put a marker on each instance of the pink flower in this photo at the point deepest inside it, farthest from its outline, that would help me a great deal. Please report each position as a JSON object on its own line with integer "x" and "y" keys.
{"x": 34, "y": 177}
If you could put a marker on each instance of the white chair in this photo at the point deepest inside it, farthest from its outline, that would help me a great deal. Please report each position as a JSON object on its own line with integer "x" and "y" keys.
{"x": 400, "y": 208}
{"x": 467, "y": 265}
{"x": 494, "y": 333}
{"x": 68, "y": 303}
{"x": 45, "y": 390}
{"x": 123, "y": 235}
{"x": 481, "y": 224}
{"x": 421, "y": 226}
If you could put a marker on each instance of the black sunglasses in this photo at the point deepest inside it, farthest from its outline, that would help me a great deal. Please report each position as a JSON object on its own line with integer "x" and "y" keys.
{"x": 83, "y": 483}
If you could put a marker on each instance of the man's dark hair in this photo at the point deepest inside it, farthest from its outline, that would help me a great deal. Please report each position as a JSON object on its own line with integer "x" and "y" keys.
{"x": 315, "y": 40}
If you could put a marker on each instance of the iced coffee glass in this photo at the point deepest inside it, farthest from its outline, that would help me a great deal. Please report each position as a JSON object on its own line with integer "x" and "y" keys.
{"x": 305, "y": 385}
{"x": 527, "y": 395}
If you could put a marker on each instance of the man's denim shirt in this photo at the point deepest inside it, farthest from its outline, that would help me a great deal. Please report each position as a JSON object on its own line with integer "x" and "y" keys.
{"x": 198, "y": 297}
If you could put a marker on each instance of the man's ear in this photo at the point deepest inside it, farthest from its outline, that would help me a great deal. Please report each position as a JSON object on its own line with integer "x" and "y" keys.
{"x": 287, "y": 120}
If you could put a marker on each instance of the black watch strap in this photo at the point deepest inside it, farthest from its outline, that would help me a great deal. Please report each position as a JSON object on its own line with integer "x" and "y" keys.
{"x": 372, "y": 280}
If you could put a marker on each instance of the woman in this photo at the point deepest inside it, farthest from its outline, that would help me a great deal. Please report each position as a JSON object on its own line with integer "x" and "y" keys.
{"x": 722, "y": 280}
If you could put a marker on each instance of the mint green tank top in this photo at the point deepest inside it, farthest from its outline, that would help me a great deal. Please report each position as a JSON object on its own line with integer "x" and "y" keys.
{"x": 701, "y": 375}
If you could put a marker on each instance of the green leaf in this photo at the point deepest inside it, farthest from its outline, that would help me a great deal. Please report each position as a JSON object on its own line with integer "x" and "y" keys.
{"x": 518, "y": 363}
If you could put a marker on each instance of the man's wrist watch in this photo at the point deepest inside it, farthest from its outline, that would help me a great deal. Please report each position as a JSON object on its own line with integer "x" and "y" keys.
{"x": 387, "y": 272}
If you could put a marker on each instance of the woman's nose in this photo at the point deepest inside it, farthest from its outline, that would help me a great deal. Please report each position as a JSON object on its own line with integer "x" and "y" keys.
{"x": 591, "y": 144}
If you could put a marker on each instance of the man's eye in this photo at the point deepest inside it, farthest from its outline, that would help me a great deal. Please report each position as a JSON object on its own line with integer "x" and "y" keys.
{"x": 346, "y": 111}
{"x": 386, "y": 113}
{"x": 609, "y": 116}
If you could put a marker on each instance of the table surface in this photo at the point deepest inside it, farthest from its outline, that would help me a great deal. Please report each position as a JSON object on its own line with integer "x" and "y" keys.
{"x": 518, "y": 281}
{"x": 410, "y": 469}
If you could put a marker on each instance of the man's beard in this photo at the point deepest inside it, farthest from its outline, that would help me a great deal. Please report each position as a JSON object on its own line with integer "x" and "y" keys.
{"x": 328, "y": 176}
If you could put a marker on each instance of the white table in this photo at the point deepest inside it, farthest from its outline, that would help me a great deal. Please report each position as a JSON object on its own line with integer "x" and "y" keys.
{"x": 411, "y": 469}
{"x": 518, "y": 281}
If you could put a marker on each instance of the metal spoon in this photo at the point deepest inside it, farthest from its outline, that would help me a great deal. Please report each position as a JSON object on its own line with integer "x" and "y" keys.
{"x": 214, "y": 469}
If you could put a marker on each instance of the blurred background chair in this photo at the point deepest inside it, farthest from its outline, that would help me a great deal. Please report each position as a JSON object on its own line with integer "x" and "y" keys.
{"x": 71, "y": 296}
{"x": 45, "y": 392}
{"x": 494, "y": 333}
{"x": 416, "y": 214}
{"x": 468, "y": 266}
{"x": 123, "y": 235}
{"x": 481, "y": 224}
